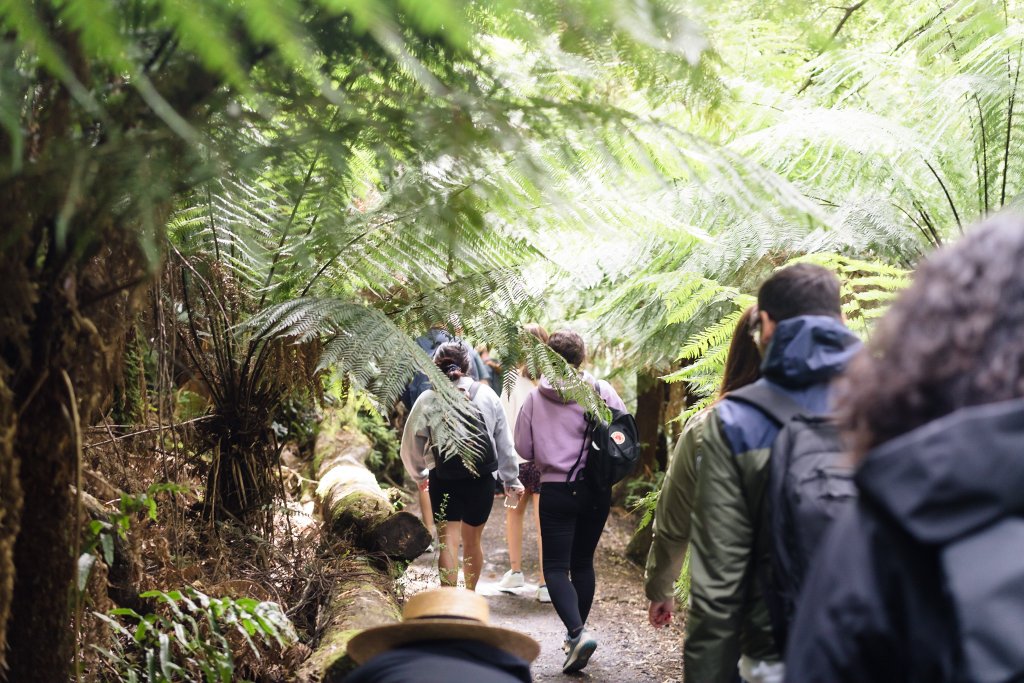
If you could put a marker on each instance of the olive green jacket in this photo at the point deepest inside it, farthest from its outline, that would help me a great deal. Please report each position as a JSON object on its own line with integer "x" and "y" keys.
{"x": 672, "y": 515}
{"x": 728, "y": 616}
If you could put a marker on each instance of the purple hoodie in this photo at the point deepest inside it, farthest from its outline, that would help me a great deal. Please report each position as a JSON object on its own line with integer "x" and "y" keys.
{"x": 550, "y": 431}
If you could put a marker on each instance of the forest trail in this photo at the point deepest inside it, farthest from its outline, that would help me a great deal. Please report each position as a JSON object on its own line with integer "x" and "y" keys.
{"x": 629, "y": 650}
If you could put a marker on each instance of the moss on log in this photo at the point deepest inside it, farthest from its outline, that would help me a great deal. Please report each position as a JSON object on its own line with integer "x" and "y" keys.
{"x": 356, "y": 603}
{"x": 352, "y": 503}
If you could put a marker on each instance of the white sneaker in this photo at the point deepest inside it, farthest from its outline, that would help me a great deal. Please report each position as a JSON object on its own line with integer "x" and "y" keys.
{"x": 578, "y": 651}
{"x": 512, "y": 580}
{"x": 543, "y": 595}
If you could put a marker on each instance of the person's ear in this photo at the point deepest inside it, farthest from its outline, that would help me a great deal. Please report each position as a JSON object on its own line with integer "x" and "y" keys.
{"x": 767, "y": 330}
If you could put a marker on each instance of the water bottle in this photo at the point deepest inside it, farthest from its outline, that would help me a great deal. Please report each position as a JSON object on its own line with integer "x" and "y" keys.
{"x": 512, "y": 496}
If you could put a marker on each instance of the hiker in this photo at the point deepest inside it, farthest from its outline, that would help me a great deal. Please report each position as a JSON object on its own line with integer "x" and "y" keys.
{"x": 461, "y": 499}
{"x": 552, "y": 433}
{"x": 444, "y": 636}
{"x": 675, "y": 503}
{"x": 923, "y": 580}
{"x": 435, "y": 336}
{"x": 512, "y": 401}
{"x": 804, "y": 344}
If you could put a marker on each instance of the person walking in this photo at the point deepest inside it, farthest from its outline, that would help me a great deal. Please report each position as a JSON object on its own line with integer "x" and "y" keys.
{"x": 461, "y": 498}
{"x": 552, "y": 432}
{"x": 513, "y": 400}
{"x": 804, "y": 344}
{"x": 675, "y": 503}
{"x": 923, "y": 580}
{"x": 429, "y": 342}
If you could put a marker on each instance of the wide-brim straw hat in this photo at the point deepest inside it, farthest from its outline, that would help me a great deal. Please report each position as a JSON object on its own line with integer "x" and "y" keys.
{"x": 442, "y": 614}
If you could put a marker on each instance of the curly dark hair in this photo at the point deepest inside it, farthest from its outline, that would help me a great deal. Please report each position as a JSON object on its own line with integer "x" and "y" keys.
{"x": 569, "y": 345}
{"x": 743, "y": 363}
{"x": 954, "y": 338}
{"x": 452, "y": 358}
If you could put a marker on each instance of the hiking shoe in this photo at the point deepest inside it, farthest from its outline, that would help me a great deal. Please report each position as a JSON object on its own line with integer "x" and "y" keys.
{"x": 543, "y": 595}
{"x": 512, "y": 580}
{"x": 578, "y": 651}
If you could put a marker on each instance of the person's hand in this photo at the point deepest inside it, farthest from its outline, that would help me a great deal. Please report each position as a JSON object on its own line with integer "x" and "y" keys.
{"x": 660, "y": 613}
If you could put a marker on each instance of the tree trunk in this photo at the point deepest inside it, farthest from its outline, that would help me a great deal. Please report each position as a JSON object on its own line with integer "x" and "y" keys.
{"x": 63, "y": 368}
{"x": 10, "y": 505}
{"x": 640, "y": 545}
{"x": 358, "y": 602}
{"x": 650, "y": 410}
{"x": 352, "y": 503}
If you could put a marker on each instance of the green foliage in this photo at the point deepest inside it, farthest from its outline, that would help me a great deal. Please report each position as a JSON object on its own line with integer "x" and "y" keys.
{"x": 642, "y": 496}
{"x": 99, "y": 534}
{"x": 193, "y": 637}
{"x": 385, "y": 442}
{"x": 867, "y": 289}
{"x": 682, "y": 584}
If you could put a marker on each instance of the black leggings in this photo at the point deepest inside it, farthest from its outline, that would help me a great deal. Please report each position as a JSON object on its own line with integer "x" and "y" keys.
{"x": 572, "y": 518}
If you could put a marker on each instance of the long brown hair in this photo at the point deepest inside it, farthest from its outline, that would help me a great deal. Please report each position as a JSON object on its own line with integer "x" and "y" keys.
{"x": 743, "y": 363}
{"x": 953, "y": 339}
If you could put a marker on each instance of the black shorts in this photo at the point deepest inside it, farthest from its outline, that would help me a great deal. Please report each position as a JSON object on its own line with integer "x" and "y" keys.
{"x": 462, "y": 500}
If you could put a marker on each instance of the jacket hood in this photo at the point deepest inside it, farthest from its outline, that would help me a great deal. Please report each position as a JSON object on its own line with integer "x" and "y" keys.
{"x": 951, "y": 476}
{"x": 809, "y": 349}
{"x": 550, "y": 391}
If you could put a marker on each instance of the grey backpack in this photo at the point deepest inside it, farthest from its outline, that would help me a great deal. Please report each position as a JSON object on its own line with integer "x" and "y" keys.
{"x": 810, "y": 482}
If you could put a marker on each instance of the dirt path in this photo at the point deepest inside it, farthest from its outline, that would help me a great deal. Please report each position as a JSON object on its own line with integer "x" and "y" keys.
{"x": 629, "y": 650}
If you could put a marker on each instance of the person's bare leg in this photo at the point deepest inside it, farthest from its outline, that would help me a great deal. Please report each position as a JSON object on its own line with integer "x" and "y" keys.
{"x": 449, "y": 535}
{"x": 426, "y": 512}
{"x": 472, "y": 554}
{"x": 514, "y": 534}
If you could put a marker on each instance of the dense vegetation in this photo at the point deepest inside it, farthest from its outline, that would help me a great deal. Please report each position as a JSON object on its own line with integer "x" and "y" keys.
{"x": 239, "y": 204}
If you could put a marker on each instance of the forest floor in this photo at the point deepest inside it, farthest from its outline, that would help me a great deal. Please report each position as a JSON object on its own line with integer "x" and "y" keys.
{"x": 629, "y": 650}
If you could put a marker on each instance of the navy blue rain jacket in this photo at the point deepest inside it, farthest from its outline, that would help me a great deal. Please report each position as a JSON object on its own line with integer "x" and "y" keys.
{"x": 804, "y": 355}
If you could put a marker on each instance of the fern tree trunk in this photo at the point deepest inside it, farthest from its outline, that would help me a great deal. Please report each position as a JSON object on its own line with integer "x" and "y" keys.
{"x": 63, "y": 329}
{"x": 71, "y": 268}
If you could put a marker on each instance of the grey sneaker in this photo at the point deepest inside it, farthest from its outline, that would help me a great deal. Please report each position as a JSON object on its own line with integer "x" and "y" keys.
{"x": 578, "y": 651}
{"x": 543, "y": 595}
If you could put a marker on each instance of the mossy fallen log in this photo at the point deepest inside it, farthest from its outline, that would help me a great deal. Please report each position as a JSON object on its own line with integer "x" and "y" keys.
{"x": 353, "y": 504}
{"x": 357, "y": 602}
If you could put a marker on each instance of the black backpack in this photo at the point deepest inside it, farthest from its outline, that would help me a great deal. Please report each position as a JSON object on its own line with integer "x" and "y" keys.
{"x": 614, "y": 451}
{"x": 451, "y": 466}
{"x": 810, "y": 482}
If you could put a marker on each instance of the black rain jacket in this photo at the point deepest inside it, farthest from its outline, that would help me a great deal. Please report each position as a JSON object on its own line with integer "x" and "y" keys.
{"x": 443, "y": 661}
{"x": 924, "y": 579}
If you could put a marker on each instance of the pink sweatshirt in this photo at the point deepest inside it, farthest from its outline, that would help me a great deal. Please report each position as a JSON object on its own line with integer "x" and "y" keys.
{"x": 550, "y": 431}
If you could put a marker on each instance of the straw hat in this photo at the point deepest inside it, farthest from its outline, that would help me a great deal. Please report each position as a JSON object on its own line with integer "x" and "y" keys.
{"x": 441, "y": 614}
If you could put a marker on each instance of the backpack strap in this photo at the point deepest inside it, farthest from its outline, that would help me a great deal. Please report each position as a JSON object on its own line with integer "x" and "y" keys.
{"x": 772, "y": 402}
{"x": 473, "y": 389}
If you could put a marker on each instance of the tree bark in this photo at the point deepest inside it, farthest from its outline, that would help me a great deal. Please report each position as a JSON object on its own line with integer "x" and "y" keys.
{"x": 10, "y": 505}
{"x": 67, "y": 368}
{"x": 651, "y": 396}
{"x": 352, "y": 503}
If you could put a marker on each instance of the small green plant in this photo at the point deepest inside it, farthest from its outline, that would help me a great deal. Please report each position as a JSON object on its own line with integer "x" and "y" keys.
{"x": 385, "y": 442}
{"x": 99, "y": 535}
{"x": 642, "y": 496}
{"x": 192, "y": 638}
{"x": 682, "y": 585}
